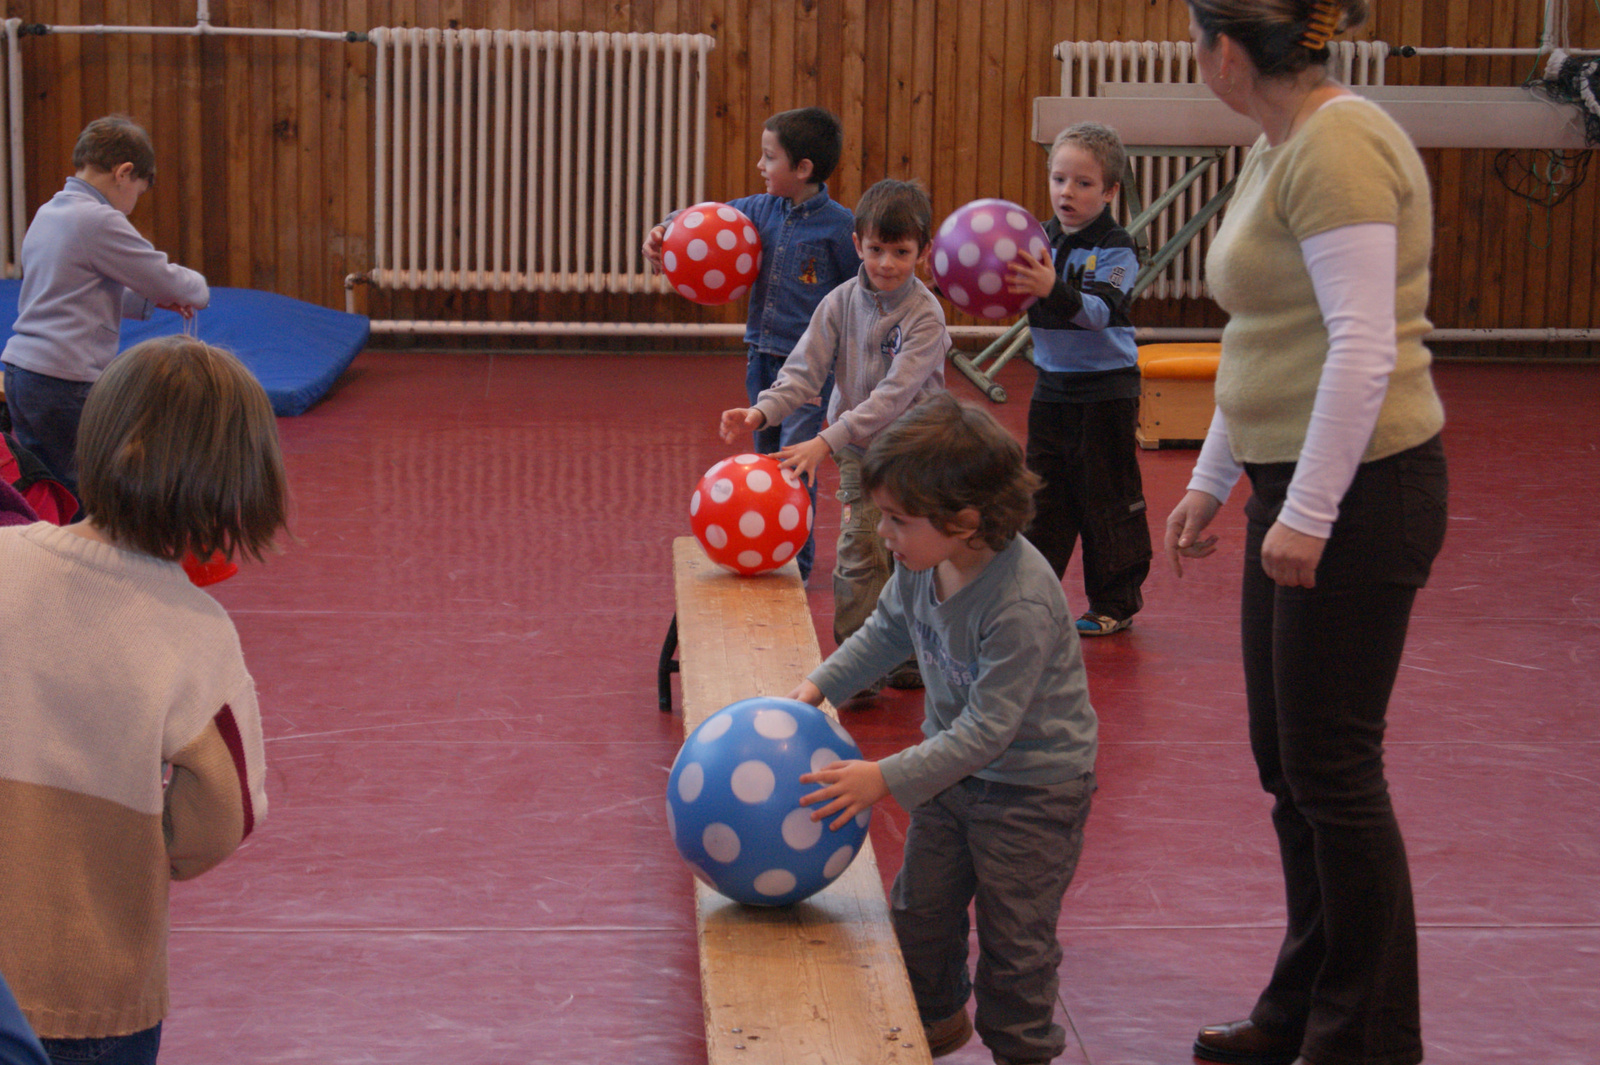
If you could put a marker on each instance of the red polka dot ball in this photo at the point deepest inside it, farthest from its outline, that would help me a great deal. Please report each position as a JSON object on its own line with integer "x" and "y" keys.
{"x": 972, "y": 250}
{"x": 750, "y": 514}
{"x": 711, "y": 253}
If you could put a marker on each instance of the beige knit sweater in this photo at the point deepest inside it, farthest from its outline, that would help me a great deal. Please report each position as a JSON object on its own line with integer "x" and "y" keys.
{"x": 1349, "y": 164}
{"x": 111, "y": 663}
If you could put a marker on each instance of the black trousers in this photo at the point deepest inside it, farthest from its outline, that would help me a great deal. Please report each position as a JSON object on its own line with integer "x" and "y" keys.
{"x": 1319, "y": 665}
{"x": 1089, "y": 460}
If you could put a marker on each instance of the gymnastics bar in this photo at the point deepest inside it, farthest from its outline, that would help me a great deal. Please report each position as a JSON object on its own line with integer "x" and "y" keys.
{"x": 820, "y": 982}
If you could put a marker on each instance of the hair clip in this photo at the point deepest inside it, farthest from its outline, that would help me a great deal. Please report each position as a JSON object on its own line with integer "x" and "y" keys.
{"x": 1322, "y": 23}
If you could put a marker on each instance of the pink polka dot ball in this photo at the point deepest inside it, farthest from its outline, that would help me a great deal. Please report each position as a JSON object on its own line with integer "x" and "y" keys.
{"x": 750, "y": 514}
{"x": 972, "y": 250}
{"x": 711, "y": 253}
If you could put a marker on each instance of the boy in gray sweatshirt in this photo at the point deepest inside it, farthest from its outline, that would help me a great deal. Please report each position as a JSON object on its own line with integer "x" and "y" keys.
{"x": 882, "y": 335}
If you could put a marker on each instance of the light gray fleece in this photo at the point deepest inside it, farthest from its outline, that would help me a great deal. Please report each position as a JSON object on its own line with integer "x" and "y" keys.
{"x": 886, "y": 351}
{"x": 84, "y": 267}
{"x": 1007, "y": 698}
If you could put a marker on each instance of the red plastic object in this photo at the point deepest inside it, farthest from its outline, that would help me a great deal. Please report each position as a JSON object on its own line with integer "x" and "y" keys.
{"x": 750, "y": 514}
{"x": 213, "y": 570}
{"x": 711, "y": 253}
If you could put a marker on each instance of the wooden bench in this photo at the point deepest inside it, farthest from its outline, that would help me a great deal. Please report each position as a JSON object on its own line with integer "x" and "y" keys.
{"x": 820, "y": 982}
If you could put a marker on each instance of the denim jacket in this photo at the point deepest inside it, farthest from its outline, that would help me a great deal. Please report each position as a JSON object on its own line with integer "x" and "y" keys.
{"x": 806, "y": 252}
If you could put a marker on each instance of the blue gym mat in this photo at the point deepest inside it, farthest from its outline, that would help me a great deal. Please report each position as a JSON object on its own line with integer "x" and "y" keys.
{"x": 297, "y": 350}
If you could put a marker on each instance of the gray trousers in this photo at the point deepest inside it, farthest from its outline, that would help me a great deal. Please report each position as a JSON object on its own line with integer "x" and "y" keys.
{"x": 1012, "y": 849}
{"x": 861, "y": 565}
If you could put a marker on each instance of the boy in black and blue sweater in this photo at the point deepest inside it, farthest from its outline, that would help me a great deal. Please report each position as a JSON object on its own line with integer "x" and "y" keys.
{"x": 1085, "y": 405}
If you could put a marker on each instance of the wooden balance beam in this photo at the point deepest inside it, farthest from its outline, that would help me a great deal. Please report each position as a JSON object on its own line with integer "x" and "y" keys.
{"x": 820, "y": 982}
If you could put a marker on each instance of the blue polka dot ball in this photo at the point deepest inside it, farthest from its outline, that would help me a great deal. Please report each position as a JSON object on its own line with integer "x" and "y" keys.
{"x": 733, "y": 802}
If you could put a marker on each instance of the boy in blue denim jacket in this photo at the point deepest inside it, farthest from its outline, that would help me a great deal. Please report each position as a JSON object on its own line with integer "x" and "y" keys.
{"x": 806, "y": 252}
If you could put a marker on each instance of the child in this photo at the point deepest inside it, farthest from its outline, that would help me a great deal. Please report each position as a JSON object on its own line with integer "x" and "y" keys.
{"x": 1000, "y": 788}
{"x": 882, "y": 336}
{"x": 806, "y": 252}
{"x": 1086, "y": 402}
{"x": 84, "y": 266}
{"x": 114, "y": 666}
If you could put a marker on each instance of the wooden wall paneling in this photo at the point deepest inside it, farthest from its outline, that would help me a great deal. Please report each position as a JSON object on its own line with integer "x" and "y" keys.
{"x": 847, "y": 182}
{"x": 921, "y": 91}
{"x": 784, "y": 92}
{"x": 898, "y": 74}
{"x": 871, "y": 144}
{"x": 946, "y": 92}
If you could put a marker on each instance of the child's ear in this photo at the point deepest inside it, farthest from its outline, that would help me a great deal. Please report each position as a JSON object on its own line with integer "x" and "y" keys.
{"x": 803, "y": 170}
{"x": 967, "y": 522}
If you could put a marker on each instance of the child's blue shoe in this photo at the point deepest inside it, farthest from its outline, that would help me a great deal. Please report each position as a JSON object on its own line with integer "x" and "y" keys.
{"x": 1092, "y": 624}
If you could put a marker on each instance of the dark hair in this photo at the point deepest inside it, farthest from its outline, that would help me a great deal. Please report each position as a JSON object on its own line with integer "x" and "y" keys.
{"x": 1272, "y": 32}
{"x": 1099, "y": 141}
{"x": 810, "y": 133}
{"x": 943, "y": 456}
{"x": 107, "y": 143}
{"x": 178, "y": 452}
{"x": 895, "y": 210}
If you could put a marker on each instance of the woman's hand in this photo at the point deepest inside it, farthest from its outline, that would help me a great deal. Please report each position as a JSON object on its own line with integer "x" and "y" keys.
{"x": 1290, "y": 558}
{"x": 1185, "y": 524}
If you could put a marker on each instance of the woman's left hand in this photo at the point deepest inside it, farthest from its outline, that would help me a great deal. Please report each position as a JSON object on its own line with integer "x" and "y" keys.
{"x": 1290, "y": 558}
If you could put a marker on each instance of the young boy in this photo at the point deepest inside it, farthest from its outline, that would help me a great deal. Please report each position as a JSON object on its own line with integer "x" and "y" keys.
{"x": 882, "y": 337}
{"x": 1000, "y": 789}
{"x": 1086, "y": 402}
{"x": 84, "y": 267}
{"x": 114, "y": 667}
{"x": 806, "y": 252}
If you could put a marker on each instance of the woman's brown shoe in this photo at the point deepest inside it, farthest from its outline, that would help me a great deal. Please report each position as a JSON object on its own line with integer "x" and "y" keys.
{"x": 1242, "y": 1043}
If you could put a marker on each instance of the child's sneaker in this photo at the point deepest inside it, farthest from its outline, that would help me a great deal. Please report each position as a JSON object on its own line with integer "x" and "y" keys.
{"x": 1092, "y": 624}
{"x": 949, "y": 1035}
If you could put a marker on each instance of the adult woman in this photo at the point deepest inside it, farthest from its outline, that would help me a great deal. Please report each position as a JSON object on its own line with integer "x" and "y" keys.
{"x": 1325, "y": 400}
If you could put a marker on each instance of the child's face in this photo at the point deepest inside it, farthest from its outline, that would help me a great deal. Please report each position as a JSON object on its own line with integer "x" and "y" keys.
{"x": 915, "y": 542}
{"x": 1078, "y": 189}
{"x": 779, "y": 172}
{"x": 889, "y": 262}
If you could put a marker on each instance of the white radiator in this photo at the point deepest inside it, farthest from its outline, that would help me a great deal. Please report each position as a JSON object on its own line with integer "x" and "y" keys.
{"x": 13, "y": 203}
{"x": 526, "y": 161}
{"x": 1088, "y": 65}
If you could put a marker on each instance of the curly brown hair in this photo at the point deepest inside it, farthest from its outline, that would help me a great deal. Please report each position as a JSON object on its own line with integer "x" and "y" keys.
{"x": 944, "y": 456}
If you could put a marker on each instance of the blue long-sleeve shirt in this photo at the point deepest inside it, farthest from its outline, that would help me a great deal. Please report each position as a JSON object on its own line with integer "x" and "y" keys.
{"x": 1087, "y": 353}
{"x": 806, "y": 252}
{"x": 1007, "y": 698}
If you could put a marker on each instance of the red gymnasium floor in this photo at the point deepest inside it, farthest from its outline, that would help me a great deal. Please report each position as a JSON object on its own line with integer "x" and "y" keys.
{"x": 466, "y": 861}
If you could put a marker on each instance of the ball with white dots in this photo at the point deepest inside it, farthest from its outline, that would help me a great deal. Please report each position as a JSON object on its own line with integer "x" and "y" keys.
{"x": 711, "y": 253}
{"x": 750, "y": 514}
{"x": 733, "y": 802}
{"x": 972, "y": 250}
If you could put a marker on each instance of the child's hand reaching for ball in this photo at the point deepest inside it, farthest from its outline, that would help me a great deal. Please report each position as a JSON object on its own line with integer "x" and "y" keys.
{"x": 738, "y": 421}
{"x": 849, "y": 789}
{"x": 804, "y": 458}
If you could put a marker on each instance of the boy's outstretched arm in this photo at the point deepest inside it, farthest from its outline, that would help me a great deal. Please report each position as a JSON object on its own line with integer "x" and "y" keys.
{"x": 849, "y": 789}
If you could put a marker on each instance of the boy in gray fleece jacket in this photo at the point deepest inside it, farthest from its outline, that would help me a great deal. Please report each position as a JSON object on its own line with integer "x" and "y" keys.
{"x": 999, "y": 788}
{"x": 882, "y": 335}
